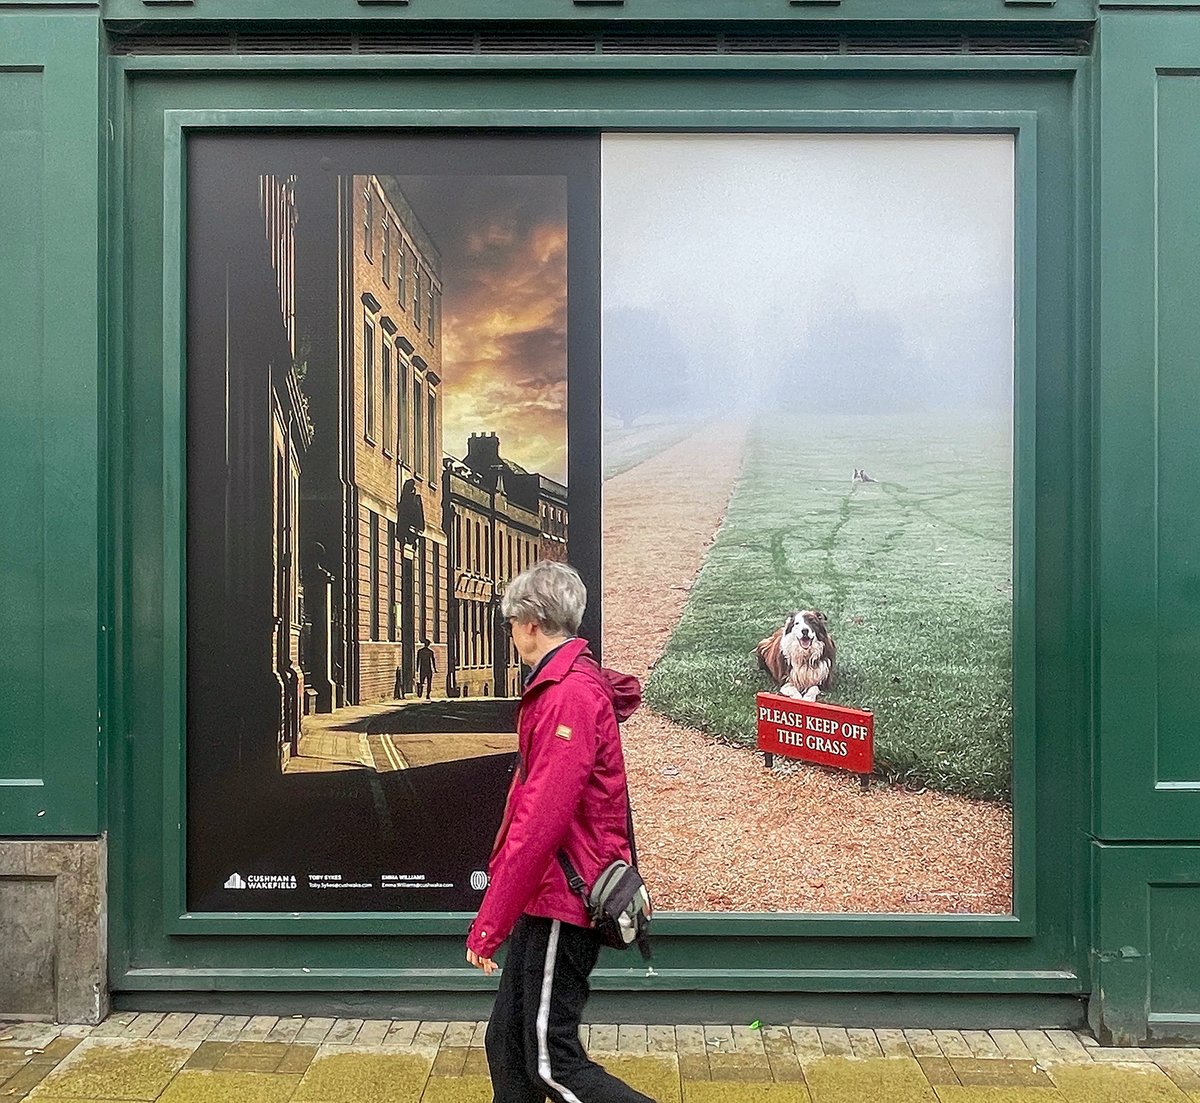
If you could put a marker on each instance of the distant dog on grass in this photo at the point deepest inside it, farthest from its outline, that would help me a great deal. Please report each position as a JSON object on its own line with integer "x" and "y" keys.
{"x": 799, "y": 656}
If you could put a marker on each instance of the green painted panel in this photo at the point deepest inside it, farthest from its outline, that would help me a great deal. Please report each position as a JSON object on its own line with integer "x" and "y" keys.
{"x": 1147, "y": 781}
{"x": 382, "y": 952}
{"x": 1146, "y": 956}
{"x": 1177, "y": 392}
{"x": 49, "y": 448}
{"x": 22, "y": 429}
{"x": 1174, "y": 949}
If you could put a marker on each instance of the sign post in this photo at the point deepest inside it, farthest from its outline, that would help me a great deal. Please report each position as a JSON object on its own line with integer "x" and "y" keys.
{"x": 828, "y": 735}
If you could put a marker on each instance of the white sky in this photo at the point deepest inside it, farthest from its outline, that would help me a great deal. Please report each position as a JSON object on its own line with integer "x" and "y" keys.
{"x": 741, "y": 243}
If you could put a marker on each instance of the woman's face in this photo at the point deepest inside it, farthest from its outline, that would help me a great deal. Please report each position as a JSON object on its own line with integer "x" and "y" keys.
{"x": 525, "y": 637}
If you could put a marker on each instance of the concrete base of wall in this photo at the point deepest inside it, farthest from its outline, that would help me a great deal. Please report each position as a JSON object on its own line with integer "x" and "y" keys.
{"x": 53, "y": 956}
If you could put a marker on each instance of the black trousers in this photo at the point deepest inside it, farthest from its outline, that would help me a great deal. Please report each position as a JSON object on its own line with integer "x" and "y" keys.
{"x": 533, "y": 1047}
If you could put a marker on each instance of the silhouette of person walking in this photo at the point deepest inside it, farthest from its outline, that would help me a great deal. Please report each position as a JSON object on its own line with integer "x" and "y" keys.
{"x": 426, "y": 665}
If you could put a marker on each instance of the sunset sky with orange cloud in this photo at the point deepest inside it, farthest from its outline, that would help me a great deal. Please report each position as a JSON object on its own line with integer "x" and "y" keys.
{"x": 503, "y": 243}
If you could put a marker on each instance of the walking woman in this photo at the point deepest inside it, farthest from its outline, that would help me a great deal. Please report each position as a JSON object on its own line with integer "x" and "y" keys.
{"x": 570, "y": 794}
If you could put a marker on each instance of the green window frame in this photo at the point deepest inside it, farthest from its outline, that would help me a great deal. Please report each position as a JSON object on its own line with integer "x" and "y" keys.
{"x": 955, "y": 95}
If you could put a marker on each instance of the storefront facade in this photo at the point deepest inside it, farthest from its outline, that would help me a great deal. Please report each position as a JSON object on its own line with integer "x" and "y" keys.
{"x": 124, "y": 122}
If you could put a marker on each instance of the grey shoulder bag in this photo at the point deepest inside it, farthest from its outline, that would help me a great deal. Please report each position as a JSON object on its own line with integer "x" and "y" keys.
{"x": 618, "y": 904}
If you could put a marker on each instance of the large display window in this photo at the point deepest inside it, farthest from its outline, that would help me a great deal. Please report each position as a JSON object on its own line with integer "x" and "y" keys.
{"x": 807, "y": 348}
{"x": 758, "y": 388}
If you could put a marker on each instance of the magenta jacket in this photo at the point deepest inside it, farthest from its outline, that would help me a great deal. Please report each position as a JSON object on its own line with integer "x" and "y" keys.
{"x": 569, "y": 792}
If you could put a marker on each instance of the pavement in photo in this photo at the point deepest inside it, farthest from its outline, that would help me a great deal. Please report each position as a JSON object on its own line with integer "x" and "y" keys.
{"x": 403, "y": 734}
{"x": 154, "y": 1057}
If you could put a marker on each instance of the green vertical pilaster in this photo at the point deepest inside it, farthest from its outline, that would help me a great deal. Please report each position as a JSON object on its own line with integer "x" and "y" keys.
{"x": 50, "y": 157}
{"x": 1146, "y": 806}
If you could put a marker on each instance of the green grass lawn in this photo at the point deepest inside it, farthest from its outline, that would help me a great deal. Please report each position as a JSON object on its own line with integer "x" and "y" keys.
{"x": 627, "y": 447}
{"x": 913, "y": 572}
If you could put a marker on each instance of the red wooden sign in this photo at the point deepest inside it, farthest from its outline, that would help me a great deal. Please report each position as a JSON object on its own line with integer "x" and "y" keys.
{"x": 829, "y": 735}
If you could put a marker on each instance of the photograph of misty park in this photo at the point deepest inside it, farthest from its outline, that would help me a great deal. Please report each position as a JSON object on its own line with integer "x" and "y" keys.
{"x": 385, "y": 357}
{"x": 808, "y": 405}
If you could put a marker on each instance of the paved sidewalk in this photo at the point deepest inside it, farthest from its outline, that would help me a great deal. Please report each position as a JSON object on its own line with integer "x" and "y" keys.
{"x": 182, "y": 1058}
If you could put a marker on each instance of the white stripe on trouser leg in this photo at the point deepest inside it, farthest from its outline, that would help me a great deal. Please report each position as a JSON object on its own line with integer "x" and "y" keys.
{"x": 543, "y": 1018}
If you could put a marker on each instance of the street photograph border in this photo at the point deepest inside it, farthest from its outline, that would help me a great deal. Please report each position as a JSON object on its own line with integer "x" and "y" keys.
{"x": 1021, "y": 125}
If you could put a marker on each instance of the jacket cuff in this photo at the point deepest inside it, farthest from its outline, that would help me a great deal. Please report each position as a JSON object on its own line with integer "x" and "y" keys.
{"x": 483, "y": 942}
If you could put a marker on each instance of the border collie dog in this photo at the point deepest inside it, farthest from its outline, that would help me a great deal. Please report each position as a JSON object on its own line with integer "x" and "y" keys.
{"x": 799, "y": 656}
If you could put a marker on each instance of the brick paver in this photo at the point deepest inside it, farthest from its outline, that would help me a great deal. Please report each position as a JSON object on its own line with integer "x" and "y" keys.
{"x": 285, "y": 1030}
{"x": 206, "y": 1058}
{"x": 228, "y": 1029}
{"x": 401, "y": 1032}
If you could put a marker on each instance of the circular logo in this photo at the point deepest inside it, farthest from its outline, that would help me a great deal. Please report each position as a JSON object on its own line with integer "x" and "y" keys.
{"x": 479, "y": 880}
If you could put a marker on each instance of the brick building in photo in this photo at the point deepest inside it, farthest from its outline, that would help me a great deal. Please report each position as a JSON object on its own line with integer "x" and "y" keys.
{"x": 291, "y": 435}
{"x": 369, "y": 326}
{"x": 255, "y": 434}
{"x": 396, "y": 288}
{"x": 396, "y": 543}
{"x": 498, "y": 518}
{"x": 552, "y": 510}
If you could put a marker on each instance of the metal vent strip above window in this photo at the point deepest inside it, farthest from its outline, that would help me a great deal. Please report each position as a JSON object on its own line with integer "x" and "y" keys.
{"x": 805, "y": 40}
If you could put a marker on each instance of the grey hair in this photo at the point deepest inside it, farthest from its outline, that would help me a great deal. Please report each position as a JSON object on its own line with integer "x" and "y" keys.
{"x": 550, "y": 593}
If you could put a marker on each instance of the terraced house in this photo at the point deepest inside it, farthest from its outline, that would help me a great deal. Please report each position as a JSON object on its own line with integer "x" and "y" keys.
{"x": 499, "y": 525}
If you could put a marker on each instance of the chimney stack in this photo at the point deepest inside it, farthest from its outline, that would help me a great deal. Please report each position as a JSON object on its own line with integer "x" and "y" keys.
{"x": 483, "y": 451}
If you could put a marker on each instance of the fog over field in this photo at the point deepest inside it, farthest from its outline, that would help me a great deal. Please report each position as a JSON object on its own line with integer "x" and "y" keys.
{"x": 832, "y": 273}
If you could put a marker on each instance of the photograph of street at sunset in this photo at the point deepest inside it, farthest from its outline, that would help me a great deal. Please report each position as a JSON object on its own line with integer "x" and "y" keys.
{"x": 388, "y": 370}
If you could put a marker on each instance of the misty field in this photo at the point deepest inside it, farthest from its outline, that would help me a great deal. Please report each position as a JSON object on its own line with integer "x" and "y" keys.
{"x": 913, "y": 572}
{"x": 626, "y": 447}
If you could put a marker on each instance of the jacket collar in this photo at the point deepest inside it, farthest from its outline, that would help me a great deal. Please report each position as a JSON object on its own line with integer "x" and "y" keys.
{"x": 559, "y": 663}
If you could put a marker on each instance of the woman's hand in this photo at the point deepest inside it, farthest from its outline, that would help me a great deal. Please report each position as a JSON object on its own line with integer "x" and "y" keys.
{"x": 486, "y": 964}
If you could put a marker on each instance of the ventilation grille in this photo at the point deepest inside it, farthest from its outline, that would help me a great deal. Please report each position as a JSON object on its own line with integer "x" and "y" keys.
{"x": 438, "y": 41}
{"x": 783, "y": 43}
{"x": 295, "y": 44}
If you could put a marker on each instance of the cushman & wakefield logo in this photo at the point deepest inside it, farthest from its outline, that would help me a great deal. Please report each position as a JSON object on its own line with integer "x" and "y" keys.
{"x": 261, "y": 881}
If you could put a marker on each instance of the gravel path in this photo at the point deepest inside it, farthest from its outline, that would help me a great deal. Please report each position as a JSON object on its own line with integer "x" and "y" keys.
{"x": 718, "y": 832}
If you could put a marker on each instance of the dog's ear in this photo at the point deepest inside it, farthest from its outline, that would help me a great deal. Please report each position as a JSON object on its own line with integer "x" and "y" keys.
{"x": 821, "y": 617}
{"x": 771, "y": 657}
{"x": 779, "y": 665}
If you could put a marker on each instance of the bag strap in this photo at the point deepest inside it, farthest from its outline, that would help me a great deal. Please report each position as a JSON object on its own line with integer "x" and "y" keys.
{"x": 629, "y": 824}
{"x": 573, "y": 879}
{"x": 578, "y": 886}
{"x": 642, "y": 940}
